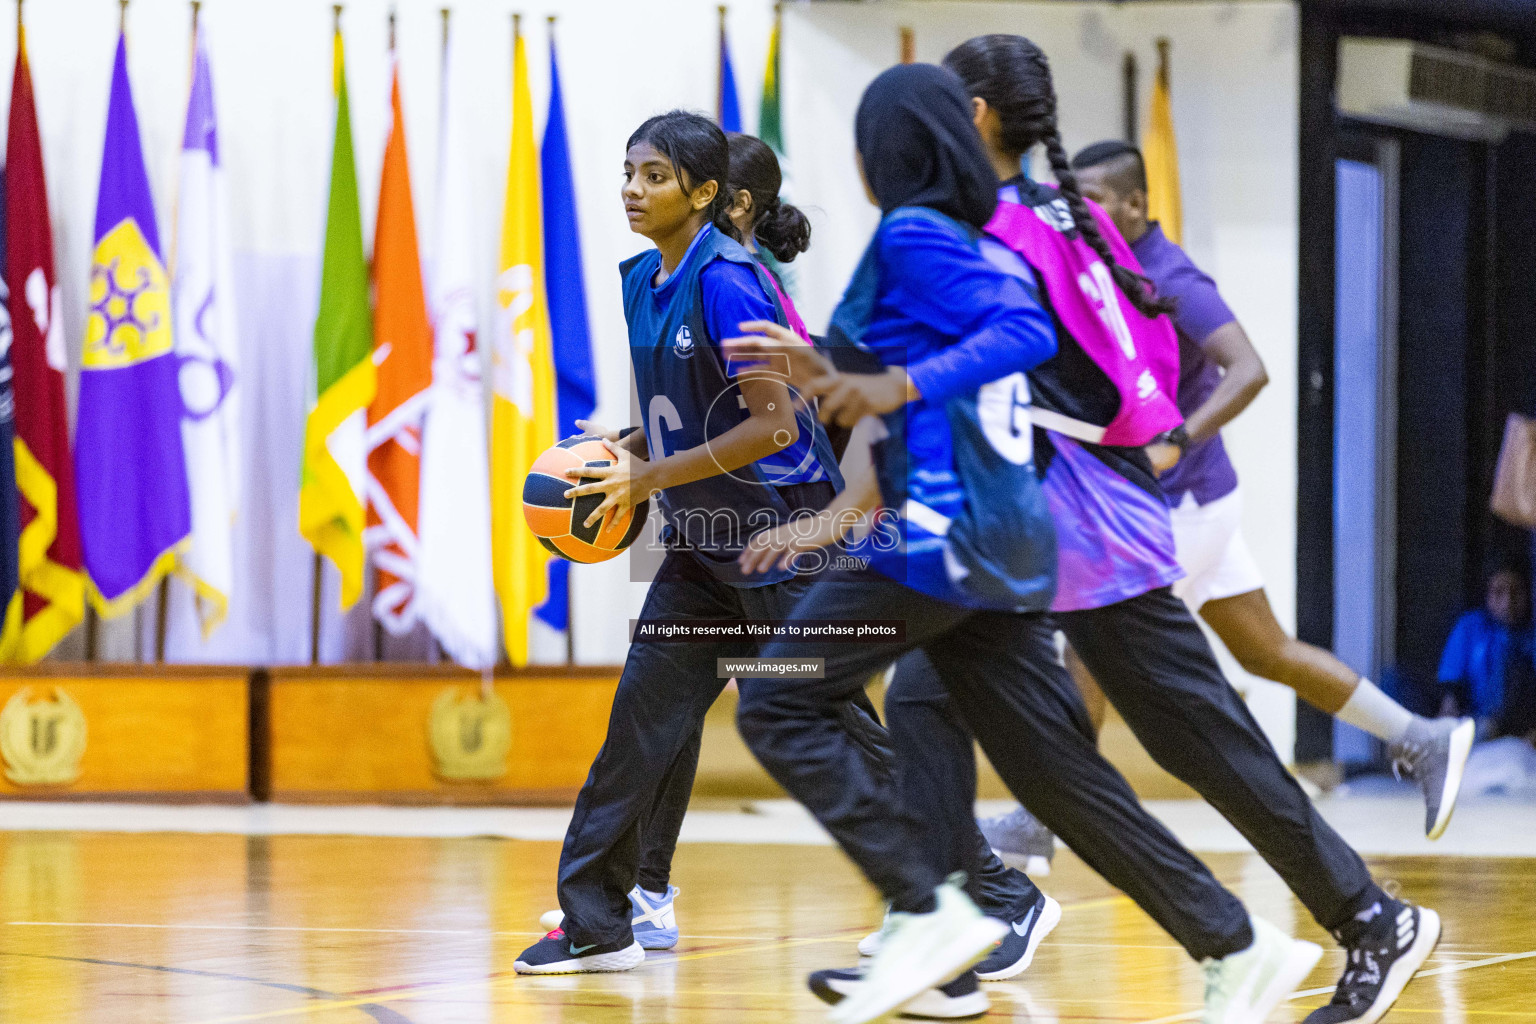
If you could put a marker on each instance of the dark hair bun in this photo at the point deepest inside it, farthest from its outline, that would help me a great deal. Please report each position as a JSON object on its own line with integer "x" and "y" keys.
{"x": 783, "y": 230}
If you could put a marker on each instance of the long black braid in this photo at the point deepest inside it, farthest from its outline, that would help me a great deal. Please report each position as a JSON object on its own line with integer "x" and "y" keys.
{"x": 1013, "y": 75}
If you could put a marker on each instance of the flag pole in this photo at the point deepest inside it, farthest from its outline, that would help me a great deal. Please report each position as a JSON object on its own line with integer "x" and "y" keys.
{"x": 1128, "y": 82}
{"x": 391, "y": 31}
{"x": 720, "y": 68}
{"x": 908, "y": 45}
{"x": 570, "y": 610}
{"x": 440, "y": 652}
{"x": 122, "y": 16}
{"x": 315, "y": 566}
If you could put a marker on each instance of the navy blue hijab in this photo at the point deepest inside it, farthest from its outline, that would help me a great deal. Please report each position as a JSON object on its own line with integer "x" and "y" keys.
{"x": 920, "y": 147}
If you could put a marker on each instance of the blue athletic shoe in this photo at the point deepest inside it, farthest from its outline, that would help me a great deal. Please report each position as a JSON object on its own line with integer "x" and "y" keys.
{"x": 555, "y": 953}
{"x": 1016, "y": 950}
{"x": 654, "y": 922}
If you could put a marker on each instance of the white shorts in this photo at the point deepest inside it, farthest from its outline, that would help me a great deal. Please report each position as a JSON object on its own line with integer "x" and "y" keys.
{"x": 1208, "y": 542}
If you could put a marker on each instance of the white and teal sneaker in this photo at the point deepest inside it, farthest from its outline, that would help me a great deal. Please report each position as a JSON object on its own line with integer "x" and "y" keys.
{"x": 654, "y": 921}
{"x": 1242, "y": 988}
{"x": 919, "y": 952}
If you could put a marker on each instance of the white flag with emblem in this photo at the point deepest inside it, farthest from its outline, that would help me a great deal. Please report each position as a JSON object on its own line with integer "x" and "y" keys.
{"x": 203, "y": 308}
{"x": 454, "y": 593}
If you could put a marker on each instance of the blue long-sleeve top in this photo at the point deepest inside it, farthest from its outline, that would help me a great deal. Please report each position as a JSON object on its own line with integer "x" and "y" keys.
{"x": 956, "y": 320}
{"x": 950, "y": 316}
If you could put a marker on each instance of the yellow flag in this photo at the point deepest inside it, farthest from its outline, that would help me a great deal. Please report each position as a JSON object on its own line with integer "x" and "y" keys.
{"x": 523, "y": 372}
{"x": 1161, "y": 152}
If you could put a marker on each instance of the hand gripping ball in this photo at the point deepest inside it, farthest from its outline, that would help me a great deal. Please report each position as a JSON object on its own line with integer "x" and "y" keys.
{"x": 557, "y": 520}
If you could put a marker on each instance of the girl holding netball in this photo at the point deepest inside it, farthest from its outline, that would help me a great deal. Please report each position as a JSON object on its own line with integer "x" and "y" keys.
{"x": 725, "y": 454}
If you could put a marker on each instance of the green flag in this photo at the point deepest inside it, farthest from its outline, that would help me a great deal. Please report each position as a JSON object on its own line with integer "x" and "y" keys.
{"x": 331, "y": 498}
{"x": 769, "y": 129}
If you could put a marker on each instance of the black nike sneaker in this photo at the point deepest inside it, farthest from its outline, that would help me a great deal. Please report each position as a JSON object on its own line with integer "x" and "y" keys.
{"x": 960, "y": 999}
{"x": 1015, "y": 951}
{"x": 555, "y": 953}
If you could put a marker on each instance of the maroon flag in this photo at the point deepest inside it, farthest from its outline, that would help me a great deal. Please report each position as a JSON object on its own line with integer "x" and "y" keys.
{"x": 50, "y": 534}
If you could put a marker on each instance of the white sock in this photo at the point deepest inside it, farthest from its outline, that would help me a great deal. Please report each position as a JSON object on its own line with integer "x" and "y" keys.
{"x": 654, "y": 897}
{"x": 1381, "y": 716}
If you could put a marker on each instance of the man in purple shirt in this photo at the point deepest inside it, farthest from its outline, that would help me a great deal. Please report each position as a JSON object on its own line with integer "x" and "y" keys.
{"x": 1220, "y": 373}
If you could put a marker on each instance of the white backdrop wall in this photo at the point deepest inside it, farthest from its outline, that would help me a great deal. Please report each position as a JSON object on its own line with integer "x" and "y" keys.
{"x": 272, "y": 81}
{"x": 1234, "y": 95}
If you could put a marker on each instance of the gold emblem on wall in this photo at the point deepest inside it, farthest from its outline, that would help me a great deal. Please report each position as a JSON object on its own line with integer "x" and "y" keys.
{"x": 42, "y": 741}
{"x": 471, "y": 735}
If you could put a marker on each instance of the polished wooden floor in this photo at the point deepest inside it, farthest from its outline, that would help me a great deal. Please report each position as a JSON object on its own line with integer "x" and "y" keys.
{"x": 128, "y": 928}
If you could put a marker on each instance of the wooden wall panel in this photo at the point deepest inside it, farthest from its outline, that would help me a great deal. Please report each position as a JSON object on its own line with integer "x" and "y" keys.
{"x": 361, "y": 734}
{"x": 157, "y": 733}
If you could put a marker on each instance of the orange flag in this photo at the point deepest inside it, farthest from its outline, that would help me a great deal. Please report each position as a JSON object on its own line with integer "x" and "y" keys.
{"x": 402, "y": 351}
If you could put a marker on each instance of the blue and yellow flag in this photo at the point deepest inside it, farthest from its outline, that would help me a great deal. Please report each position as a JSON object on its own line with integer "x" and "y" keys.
{"x": 575, "y": 384}
{"x": 130, "y": 469}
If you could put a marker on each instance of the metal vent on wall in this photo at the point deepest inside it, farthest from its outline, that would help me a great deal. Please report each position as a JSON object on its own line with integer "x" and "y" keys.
{"x": 1433, "y": 89}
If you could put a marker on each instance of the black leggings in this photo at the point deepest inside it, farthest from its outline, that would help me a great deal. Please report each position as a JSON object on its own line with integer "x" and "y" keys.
{"x": 1154, "y": 664}
{"x": 1001, "y": 671}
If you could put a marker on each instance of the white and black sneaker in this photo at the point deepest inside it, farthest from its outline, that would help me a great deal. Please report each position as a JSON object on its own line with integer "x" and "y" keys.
{"x": 1016, "y": 950}
{"x": 1384, "y": 951}
{"x": 960, "y": 999}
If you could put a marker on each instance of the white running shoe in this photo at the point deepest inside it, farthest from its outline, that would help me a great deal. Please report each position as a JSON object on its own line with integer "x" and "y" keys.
{"x": 1242, "y": 988}
{"x": 918, "y": 952}
{"x": 869, "y": 945}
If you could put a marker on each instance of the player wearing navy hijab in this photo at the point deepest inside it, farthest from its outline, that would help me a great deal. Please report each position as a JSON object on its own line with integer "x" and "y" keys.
{"x": 963, "y": 555}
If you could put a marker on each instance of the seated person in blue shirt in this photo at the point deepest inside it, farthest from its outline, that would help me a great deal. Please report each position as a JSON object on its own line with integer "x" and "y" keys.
{"x": 1489, "y": 652}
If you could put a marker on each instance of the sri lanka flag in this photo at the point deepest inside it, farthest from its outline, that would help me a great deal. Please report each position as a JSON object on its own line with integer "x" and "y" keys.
{"x": 53, "y": 589}
{"x": 332, "y": 485}
{"x": 135, "y": 513}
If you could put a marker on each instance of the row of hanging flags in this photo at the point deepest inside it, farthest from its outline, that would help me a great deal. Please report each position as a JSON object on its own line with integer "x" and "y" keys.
{"x": 150, "y": 488}
{"x": 396, "y": 461}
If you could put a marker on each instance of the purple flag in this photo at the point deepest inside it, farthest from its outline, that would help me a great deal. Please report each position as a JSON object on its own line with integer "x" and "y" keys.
{"x": 129, "y": 466}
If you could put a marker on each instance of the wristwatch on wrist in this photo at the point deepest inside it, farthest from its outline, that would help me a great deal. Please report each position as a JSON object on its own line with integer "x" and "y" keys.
{"x": 1178, "y": 437}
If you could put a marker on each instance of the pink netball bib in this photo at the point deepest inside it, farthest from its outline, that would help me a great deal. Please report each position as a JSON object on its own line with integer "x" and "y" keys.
{"x": 1139, "y": 355}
